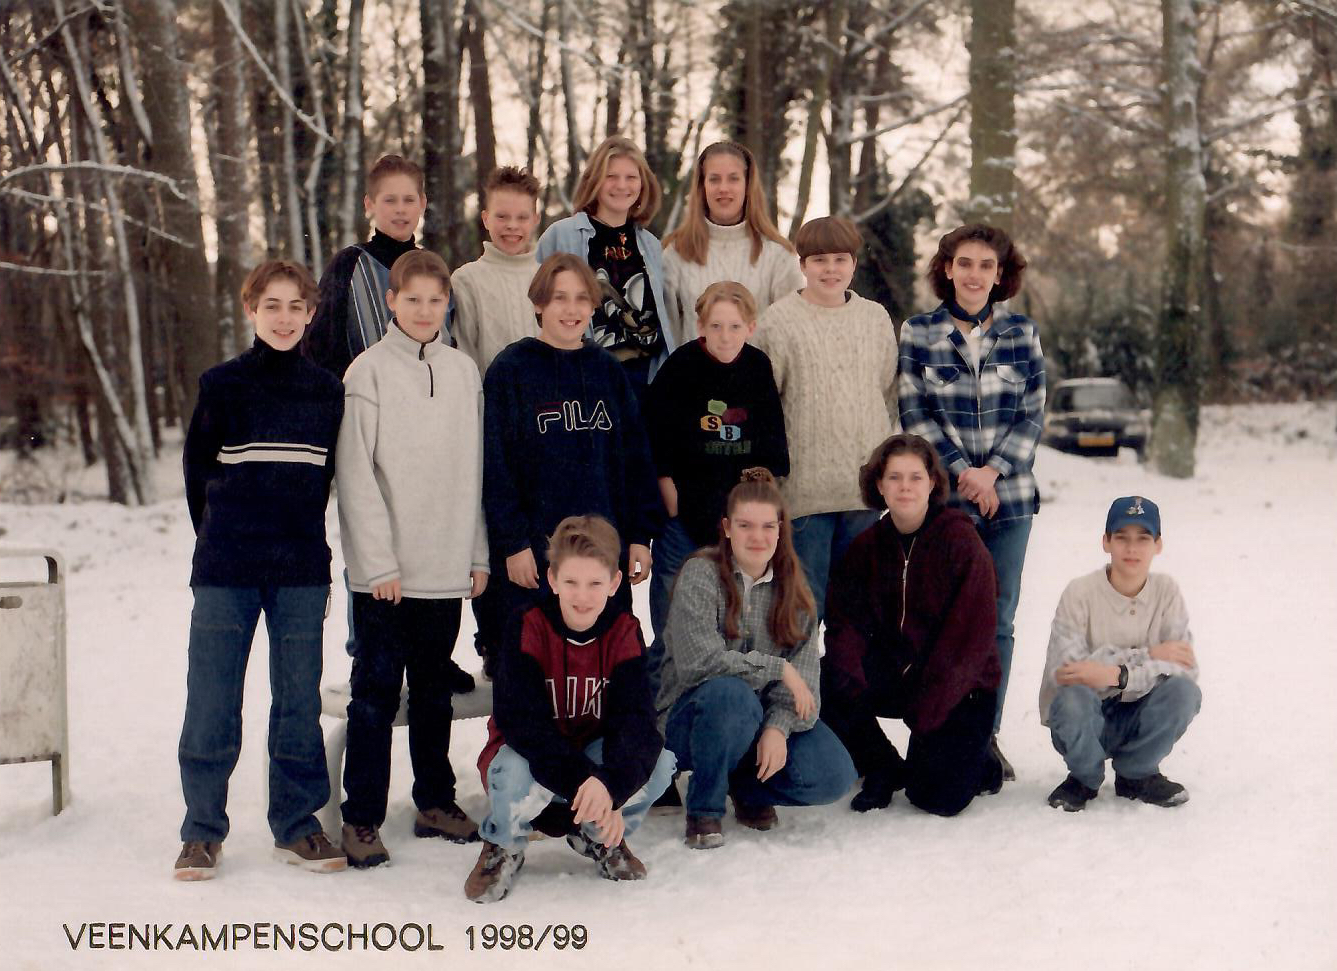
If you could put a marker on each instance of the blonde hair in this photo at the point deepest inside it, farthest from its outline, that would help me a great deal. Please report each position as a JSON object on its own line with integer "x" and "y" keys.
{"x": 727, "y": 291}
{"x": 589, "y": 536}
{"x": 691, "y": 238}
{"x": 596, "y": 168}
{"x": 419, "y": 262}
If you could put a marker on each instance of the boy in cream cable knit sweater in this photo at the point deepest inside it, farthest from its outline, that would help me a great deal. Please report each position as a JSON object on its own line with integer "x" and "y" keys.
{"x": 834, "y": 358}
{"x": 410, "y": 477}
{"x": 492, "y": 307}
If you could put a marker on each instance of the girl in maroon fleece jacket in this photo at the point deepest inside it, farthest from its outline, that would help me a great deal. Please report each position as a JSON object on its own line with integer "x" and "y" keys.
{"x": 910, "y": 634}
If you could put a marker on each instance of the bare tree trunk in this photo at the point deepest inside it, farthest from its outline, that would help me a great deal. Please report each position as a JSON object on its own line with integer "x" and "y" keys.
{"x": 613, "y": 94}
{"x": 574, "y": 157}
{"x": 816, "y": 104}
{"x": 1175, "y": 402}
{"x": 268, "y": 144}
{"x": 292, "y": 205}
{"x": 351, "y": 226}
{"x": 441, "y": 126}
{"x": 538, "y": 64}
{"x": 135, "y": 437}
{"x": 993, "y": 130}
{"x": 313, "y": 148}
{"x": 480, "y": 93}
{"x": 231, "y": 190}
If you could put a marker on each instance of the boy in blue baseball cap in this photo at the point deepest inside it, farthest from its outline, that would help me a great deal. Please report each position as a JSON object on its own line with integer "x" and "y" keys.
{"x": 1120, "y": 679}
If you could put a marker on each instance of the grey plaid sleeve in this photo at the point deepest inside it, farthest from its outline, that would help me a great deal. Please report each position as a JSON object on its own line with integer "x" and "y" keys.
{"x": 694, "y": 638}
{"x": 780, "y": 711}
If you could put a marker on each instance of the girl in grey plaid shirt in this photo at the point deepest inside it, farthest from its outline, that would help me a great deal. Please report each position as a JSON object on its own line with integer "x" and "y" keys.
{"x": 972, "y": 382}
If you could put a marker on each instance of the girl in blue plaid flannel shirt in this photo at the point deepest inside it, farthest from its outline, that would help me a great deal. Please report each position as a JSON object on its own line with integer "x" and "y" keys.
{"x": 972, "y": 382}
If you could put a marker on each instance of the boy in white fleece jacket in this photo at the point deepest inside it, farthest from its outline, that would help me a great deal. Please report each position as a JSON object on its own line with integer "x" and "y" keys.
{"x": 410, "y": 478}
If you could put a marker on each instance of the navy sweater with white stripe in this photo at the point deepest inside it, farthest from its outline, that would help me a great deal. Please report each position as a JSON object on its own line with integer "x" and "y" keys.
{"x": 259, "y": 459}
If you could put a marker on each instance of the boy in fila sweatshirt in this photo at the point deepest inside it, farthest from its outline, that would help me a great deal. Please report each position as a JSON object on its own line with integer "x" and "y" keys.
{"x": 573, "y": 736}
{"x": 564, "y": 438}
{"x": 414, "y": 538}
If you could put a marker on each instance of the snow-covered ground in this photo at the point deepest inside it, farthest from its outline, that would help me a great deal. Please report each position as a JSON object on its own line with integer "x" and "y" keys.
{"x": 1243, "y": 876}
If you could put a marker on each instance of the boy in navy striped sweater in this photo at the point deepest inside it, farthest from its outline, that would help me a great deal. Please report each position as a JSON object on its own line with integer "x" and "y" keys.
{"x": 259, "y": 459}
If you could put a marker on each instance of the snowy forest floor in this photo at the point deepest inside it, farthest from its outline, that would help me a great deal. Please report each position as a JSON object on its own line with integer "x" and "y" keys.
{"x": 1243, "y": 876}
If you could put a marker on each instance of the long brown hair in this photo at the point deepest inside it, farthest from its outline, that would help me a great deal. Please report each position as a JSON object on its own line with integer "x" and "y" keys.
{"x": 793, "y": 609}
{"x": 691, "y": 238}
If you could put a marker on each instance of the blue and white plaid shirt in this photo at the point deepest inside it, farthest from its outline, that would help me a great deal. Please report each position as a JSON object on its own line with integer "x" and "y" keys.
{"x": 974, "y": 418}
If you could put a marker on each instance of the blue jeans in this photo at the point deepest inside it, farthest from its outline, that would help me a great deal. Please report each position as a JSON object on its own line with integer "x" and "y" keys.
{"x": 516, "y": 798}
{"x": 222, "y": 626}
{"x": 821, "y": 540}
{"x": 1133, "y": 735}
{"x": 670, "y": 551}
{"x": 1006, "y": 543}
{"x": 713, "y": 730}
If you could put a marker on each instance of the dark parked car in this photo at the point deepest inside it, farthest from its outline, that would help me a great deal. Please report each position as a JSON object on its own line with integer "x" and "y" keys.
{"x": 1094, "y": 415}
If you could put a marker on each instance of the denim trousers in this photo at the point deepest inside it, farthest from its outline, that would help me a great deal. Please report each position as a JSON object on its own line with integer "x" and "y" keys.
{"x": 1006, "y": 543}
{"x": 515, "y": 798}
{"x": 821, "y": 540}
{"x": 713, "y": 730}
{"x": 222, "y": 627}
{"x": 670, "y": 551}
{"x": 1134, "y": 735}
{"x": 411, "y": 640}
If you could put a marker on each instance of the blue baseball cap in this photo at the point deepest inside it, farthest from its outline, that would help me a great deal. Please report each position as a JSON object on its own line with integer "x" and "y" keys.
{"x": 1133, "y": 511}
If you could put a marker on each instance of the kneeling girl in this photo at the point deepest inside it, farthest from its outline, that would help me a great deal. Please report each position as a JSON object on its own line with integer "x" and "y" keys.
{"x": 739, "y": 692}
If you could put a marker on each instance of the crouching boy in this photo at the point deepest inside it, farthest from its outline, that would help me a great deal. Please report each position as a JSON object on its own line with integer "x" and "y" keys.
{"x": 573, "y": 722}
{"x": 1121, "y": 677}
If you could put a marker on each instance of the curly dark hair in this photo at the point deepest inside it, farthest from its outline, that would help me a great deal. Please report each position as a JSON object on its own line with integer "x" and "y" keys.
{"x": 1010, "y": 260}
{"x": 902, "y": 444}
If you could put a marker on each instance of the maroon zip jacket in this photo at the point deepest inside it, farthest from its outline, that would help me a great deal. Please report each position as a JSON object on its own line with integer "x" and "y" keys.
{"x": 924, "y": 634}
{"x": 557, "y": 690}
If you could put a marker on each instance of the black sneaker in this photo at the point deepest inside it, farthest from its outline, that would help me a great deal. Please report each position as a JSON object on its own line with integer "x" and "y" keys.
{"x": 1009, "y": 774}
{"x": 876, "y": 793}
{"x": 460, "y": 681}
{"x": 1156, "y": 790}
{"x": 1072, "y": 795}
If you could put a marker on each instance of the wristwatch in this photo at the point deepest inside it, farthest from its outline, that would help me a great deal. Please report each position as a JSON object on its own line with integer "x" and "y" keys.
{"x": 1123, "y": 677}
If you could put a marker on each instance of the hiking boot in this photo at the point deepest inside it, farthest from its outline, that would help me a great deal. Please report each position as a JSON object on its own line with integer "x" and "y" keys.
{"x": 449, "y": 822}
{"x": 493, "y": 874}
{"x": 878, "y": 788}
{"x": 615, "y": 862}
{"x": 198, "y": 860}
{"x": 761, "y": 818}
{"x": 704, "y": 832}
{"x": 1072, "y": 795}
{"x": 1154, "y": 789}
{"x": 363, "y": 846}
{"x": 557, "y": 819}
{"x": 1009, "y": 774}
{"x": 669, "y": 802}
{"x": 312, "y": 852}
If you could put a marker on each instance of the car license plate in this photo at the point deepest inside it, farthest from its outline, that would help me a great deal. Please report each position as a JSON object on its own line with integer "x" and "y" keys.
{"x": 1095, "y": 439}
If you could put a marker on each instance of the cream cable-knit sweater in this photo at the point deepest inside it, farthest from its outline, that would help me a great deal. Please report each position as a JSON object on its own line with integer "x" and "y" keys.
{"x": 836, "y": 371}
{"x": 729, "y": 256}
{"x": 492, "y": 308}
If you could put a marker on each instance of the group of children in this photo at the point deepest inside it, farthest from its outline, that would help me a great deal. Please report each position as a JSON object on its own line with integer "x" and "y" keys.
{"x": 522, "y": 433}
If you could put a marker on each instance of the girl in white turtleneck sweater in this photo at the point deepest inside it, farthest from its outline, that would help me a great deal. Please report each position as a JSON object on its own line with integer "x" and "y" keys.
{"x": 726, "y": 234}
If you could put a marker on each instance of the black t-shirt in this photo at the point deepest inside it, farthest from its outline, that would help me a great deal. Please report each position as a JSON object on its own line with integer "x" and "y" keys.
{"x": 626, "y": 320}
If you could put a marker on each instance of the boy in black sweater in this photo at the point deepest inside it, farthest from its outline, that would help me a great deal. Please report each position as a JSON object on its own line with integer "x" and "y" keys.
{"x": 259, "y": 458}
{"x": 563, "y": 438}
{"x": 712, "y": 411}
{"x": 573, "y": 737}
